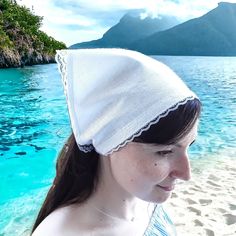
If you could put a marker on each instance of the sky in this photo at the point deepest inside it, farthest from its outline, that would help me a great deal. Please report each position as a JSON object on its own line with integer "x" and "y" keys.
{"x": 74, "y": 21}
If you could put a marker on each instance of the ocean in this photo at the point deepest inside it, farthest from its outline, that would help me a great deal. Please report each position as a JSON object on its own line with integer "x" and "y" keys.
{"x": 34, "y": 124}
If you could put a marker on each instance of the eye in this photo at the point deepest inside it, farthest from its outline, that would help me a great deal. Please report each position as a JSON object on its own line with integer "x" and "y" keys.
{"x": 164, "y": 153}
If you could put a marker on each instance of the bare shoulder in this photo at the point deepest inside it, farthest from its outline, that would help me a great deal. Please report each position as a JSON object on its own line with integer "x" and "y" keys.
{"x": 69, "y": 220}
{"x": 55, "y": 223}
{"x": 81, "y": 220}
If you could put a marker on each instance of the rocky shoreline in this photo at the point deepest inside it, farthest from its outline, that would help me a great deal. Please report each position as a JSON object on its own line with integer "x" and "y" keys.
{"x": 12, "y": 58}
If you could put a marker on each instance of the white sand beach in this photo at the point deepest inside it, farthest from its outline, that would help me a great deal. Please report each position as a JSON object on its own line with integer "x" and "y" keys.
{"x": 206, "y": 205}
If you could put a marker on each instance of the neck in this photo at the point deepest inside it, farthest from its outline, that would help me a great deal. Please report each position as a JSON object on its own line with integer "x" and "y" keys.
{"x": 112, "y": 200}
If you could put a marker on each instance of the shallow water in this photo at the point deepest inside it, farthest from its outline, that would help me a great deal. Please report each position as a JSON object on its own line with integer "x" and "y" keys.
{"x": 34, "y": 125}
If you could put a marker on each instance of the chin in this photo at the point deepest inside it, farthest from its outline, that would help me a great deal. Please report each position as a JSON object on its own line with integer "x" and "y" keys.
{"x": 157, "y": 199}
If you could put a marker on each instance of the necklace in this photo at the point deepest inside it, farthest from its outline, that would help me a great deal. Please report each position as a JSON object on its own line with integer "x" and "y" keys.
{"x": 114, "y": 217}
{"x": 132, "y": 219}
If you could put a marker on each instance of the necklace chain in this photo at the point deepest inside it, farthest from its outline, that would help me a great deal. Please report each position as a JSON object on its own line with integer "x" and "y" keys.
{"x": 119, "y": 218}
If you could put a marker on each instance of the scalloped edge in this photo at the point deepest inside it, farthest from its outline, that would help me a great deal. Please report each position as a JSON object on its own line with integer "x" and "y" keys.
{"x": 60, "y": 59}
{"x": 86, "y": 148}
{"x": 152, "y": 122}
{"x": 90, "y": 147}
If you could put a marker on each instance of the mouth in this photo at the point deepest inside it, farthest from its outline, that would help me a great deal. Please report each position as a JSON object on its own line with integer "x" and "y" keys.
{"x": 168, "y": 189}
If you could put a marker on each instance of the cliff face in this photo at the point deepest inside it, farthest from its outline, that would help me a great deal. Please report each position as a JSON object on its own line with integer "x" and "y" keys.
{"x": 21, "y": 41}
{"x": 12, "y": 58}
{"x": 22, "y": 52}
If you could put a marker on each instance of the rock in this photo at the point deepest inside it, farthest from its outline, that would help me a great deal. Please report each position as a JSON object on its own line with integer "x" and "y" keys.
{"x": 20, "y": 153}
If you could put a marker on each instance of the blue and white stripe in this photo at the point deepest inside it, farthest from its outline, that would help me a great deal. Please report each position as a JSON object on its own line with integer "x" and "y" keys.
{"x": 160, "y": 224}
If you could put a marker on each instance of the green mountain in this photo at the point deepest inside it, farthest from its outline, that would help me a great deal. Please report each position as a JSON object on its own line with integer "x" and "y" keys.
{"x": 21, "y": 41}
{"x": 129, "y": 29}
{"x": 213, "y": 34}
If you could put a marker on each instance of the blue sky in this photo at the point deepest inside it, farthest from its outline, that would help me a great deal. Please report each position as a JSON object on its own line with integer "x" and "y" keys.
{"x": 73, "y": 21}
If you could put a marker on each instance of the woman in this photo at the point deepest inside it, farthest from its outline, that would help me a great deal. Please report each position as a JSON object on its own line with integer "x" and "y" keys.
{"x": 133, "y": 120}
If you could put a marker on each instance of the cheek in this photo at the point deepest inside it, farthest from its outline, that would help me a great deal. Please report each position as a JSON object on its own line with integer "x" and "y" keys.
{"x": 156, "y": 170}
{"x": 131, "y": 174}
{"x": 134, "y": 173}
{"x": 125, "y": 170}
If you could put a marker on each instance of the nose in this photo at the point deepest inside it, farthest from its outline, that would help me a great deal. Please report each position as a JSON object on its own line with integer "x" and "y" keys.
{"x": 181, "y": 168}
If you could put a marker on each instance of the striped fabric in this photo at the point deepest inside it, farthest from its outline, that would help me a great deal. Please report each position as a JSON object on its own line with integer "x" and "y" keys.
{"x": 160, "y": 224}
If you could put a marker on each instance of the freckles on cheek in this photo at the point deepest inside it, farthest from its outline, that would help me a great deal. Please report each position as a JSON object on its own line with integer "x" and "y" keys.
{"x": 138, "y": 184}
{"x": 131, "y": 180}
{"x": 160, "y": 170}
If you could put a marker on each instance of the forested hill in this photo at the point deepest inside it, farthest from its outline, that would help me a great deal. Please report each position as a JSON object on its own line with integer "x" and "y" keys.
{"x": 21, "y": 41}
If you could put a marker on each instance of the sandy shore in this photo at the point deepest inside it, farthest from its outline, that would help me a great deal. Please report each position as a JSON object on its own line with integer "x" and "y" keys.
{"x": 206, "y": 205}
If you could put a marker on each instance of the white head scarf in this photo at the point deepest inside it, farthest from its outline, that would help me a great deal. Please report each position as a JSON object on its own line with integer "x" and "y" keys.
{"x": 113, "y": 95}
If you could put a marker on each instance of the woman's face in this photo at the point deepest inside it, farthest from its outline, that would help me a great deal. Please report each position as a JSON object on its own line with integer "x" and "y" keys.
{"x": 149, "y": 171}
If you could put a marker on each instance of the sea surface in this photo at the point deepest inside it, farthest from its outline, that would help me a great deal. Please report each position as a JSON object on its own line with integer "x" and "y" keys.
{"x": 34, "y": 124}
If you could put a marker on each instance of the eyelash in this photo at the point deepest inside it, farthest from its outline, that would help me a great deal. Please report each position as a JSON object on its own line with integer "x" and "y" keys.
{"x": 163, "y": 153}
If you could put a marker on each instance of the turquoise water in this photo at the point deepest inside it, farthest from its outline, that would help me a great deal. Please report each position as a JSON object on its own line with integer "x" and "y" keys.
{"x": 214, "y": 81}
{"x": 34, "y": 125}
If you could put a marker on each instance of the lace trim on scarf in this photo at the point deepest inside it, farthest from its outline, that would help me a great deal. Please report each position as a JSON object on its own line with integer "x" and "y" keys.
{"x": 86, "y": 148}
{"x": 90, "y": 147}
{"x": 152, "y": 122}
{"x": 61, "y": 58}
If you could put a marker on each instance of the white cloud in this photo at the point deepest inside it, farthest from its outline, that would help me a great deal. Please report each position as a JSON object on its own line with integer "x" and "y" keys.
{"x": 80, "y": 20}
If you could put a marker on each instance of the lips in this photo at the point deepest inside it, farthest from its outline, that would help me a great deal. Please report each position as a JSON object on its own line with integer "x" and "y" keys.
{"x": 167, "y": 188}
